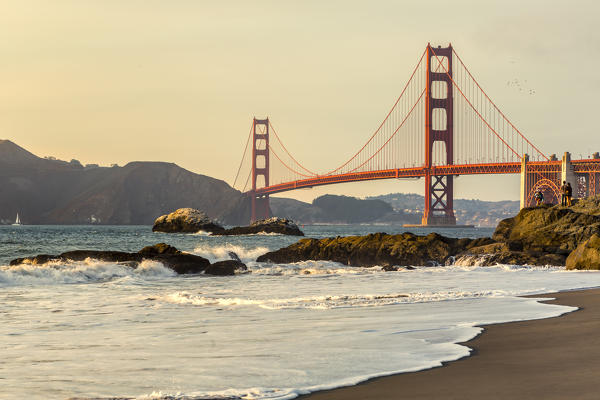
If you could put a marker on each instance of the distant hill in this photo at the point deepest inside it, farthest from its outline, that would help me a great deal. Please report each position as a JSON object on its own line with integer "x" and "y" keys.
{"x": 397, "y": 208}
{"x": 468, "y": 212}
{"x": 49, "y": 191}
{"x": 339, "y": 209}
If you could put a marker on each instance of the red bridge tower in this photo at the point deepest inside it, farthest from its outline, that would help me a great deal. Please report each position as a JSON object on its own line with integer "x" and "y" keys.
{"x": 260, "y": 168}
{"x": 439, "y": 189}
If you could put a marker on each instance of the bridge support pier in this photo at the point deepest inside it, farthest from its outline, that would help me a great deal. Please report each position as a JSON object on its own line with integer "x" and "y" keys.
{"x": 439, "y": 207}
{"x": 261, "y": 208}
{"x": 524, "y": 183}
{"x": 567, "y": 174}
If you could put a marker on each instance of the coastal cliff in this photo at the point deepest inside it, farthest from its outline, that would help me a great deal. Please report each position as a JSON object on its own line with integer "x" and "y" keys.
{"x": 50, "y": 191}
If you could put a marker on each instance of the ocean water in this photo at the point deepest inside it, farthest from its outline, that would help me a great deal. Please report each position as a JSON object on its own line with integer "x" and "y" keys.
{"x": 98, "y": 330}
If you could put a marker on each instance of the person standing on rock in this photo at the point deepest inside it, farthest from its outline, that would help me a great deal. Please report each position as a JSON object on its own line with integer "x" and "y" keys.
{"x": 569, "y": 193}
{"x": 539, "y": 198}
{"x": 563, "y": 194}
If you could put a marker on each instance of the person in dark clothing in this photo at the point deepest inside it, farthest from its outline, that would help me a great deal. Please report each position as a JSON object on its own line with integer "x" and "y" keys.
{"x": 563, "y": 194}
{"x": 569, "y": 192}
{"x": 539, "y": 198}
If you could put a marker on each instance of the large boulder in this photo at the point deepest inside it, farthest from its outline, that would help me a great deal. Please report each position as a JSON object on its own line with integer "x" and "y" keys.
{"x": 375, "y": 249}
{"x": 586, "y": 255}
{"x": 169, "y": 256}
{"x": 226, "y": 267}
{"x": 271, "y": 225}
{"x": 186, "y": 220}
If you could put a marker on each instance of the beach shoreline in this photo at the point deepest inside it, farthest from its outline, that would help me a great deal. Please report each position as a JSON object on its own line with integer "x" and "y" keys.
{"x": 551, "y": 358}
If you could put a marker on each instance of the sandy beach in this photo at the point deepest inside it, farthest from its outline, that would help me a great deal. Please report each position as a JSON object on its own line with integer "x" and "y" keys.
{"x": 555, "y": 358}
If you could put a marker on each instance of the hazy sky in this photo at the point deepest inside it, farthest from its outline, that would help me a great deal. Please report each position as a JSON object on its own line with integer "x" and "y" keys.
{"x": 113, "y": 81}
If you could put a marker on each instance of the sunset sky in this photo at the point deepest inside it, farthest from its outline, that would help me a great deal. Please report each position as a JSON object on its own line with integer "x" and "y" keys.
{"x": 113, "y": 81}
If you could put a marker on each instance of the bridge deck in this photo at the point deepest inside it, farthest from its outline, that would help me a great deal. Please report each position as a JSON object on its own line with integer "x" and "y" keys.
{"x": 580, "y": 166}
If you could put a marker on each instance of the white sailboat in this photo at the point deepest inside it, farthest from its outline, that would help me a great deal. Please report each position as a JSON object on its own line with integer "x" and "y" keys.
{"x": 17, "y": 221}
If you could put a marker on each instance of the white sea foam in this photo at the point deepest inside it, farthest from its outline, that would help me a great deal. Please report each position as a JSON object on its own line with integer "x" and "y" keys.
{"x": 89, "y": 270}
{"x": 221, "y": 252}
{"x": 312, "y": 267}
{"x": 202, "y": 233}
{"x": 325, "y": 302}
{"x": 309, "y": 267}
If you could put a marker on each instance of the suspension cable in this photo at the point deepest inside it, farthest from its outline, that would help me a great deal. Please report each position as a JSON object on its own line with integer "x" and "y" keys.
{"x": 386, "y": 118}
{"x": 496, "y": 107}
{"x": 243, "y": 156}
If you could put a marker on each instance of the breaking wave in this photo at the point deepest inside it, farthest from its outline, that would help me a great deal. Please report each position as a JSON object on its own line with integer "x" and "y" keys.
{"x": 220, "y": 253}
{"x": 310, "y": 267}
{"x": 86, "y": 271}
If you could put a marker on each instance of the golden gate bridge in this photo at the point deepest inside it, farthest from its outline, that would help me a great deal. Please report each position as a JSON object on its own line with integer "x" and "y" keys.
{"x": 442, "y": 125}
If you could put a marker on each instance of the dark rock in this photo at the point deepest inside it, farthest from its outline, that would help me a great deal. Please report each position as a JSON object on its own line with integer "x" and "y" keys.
{"x": 586, "y": 255}
{"x": 159, "y": 248}
{"x": 227, "y": 267}
{"x": 373, "y": 249}
{"x": 272, "y": 225}
{"x": 507, "y": 253}
{"x": 509, "y": 258}
{"x": 37, "y": 260}
{"x": 186, "y": 220}
{"x": 169, "y": 256}
{"x": 183, "y": 263}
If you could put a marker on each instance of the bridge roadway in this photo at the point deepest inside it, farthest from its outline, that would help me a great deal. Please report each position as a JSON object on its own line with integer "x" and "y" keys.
{"x": 554, "y": 166}
{"x": 415, "y": 172}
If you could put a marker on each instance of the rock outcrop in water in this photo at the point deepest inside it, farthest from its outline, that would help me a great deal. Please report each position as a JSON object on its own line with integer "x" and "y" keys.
{"x": 186, "y": 220}
{"x": 271, "y": 225}
{"x": 189, "y": 220}
{"x": 169, "y": 256}
{"x": 543, "y": 235}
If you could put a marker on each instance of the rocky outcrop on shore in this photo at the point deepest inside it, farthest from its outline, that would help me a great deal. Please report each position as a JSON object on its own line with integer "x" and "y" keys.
{"x": 544, "y": 235}
{"x": 375, "y": 249}
{"x": 169, "y": 256}
{"x": 186, "y": 220}
{"x": 271, "y": 225}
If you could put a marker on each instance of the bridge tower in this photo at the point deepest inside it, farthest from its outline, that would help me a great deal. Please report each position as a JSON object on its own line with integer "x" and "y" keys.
{"x": 439, "y": 127}
{"x": 260, "y": 168}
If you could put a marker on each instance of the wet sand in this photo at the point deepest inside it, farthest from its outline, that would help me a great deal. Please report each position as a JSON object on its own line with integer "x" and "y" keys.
{"x": 554, "y": 358}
